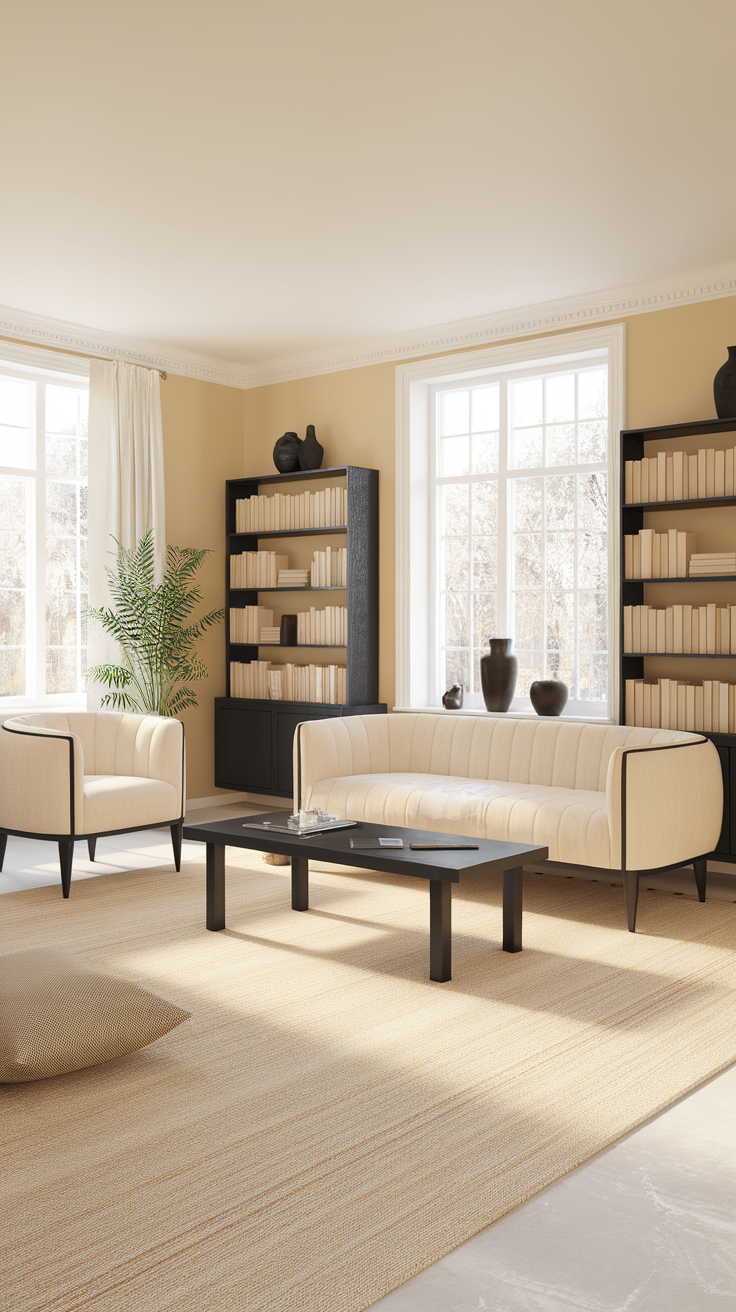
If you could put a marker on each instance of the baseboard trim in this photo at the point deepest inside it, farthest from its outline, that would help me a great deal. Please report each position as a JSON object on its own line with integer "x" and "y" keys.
{"x": 227, "y": 799}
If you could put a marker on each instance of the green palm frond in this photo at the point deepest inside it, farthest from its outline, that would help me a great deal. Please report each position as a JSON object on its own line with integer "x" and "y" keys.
{"x": 151, "y": 624}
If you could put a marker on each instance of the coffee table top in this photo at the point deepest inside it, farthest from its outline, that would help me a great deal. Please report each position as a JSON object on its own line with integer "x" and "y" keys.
{"x": 491, "y": 854}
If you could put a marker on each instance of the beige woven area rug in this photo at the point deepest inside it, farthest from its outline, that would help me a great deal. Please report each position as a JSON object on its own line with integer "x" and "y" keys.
{"x": 330, "y": 1122}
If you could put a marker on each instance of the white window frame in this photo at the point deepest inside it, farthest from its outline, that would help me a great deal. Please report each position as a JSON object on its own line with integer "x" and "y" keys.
{"x": 416, "y": 385}
{"x": 48, "y": 367}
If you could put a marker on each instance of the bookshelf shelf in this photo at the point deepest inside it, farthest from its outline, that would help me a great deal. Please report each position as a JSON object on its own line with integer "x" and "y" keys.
{"x": 635, "y": 444}
{"x": 254, "y": 736}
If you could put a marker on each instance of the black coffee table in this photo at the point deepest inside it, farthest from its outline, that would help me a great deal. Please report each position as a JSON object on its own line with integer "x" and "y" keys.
{"x": 442, "y": 869}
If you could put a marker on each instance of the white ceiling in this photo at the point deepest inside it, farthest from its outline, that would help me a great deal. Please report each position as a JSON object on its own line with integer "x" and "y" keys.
{"x": 250, "y": 180}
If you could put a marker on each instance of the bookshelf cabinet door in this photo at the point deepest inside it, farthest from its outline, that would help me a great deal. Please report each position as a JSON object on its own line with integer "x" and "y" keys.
{"x": 243, "y": 748}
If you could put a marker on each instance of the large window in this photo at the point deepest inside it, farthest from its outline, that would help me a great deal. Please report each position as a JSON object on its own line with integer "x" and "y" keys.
{"x": 43, "y": 533}
{"x": 506, "y": 477}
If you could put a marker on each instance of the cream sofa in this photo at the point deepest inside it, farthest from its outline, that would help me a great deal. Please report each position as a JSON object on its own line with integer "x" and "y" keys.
{"x": 82, "y": 775}
{"x": 603, "y": 796}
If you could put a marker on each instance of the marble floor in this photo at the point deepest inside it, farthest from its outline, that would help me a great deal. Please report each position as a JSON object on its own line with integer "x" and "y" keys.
{"x": 649, "y": 1225}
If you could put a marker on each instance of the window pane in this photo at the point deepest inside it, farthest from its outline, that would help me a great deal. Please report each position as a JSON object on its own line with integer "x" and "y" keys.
{"x": 455, "y": 508}
{"x": 592, "y": 502}
{"x": 559, "y": 398}
{"x": 527, "y": 560}
{"x": 527, "y": 449}
{"x": 592, "y": 441}
{"x": 485, "y": 563}
{"x": 530, "y": 668}
{"x": 61, "y": 455}
{"x": 485, "y": 408}
{"x": 61, "y": 669}
{"x": 526, "y": 399}
{"x": 527, "y": 503}
{"x": 456, "y": 619}
{"x": 62, "y": 409}
{"x": 456, "y": 668}
{"x": 560, "y": 562}
{"x": 593, "y": 621}
{"x": 454, "y": 456}
{"x": 561, "y": 502}
{"x": 561, "y": 665}
{"x": 12, "y": 672}
{"x": 528, "y": 612}
{"x": 593, "y": 394}
{"x": 61, "y": 508}
{"x": 456, "y": 564}
{"x": 593, "y": 678}
{"x": 485, "y": 621}
{"x": 560, "y": 621}
{"x": 592, "y": 560}
{"x": 17, "y": 440}
{"x": 485, "y": 507}
{"x": 454, "y": 413}
{"x": 560, "y": 444}
{"x": 485, "y": 453}
{"x": 14, "y": 528}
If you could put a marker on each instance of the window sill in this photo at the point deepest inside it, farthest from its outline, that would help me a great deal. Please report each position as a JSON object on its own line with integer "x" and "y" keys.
{"x": 509, "y": 715}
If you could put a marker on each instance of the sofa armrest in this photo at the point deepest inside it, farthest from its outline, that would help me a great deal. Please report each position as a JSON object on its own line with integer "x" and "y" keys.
{"x": 665, "y": 803}
{"x": 41, "y": 780}
{"x": 322, "y": 750}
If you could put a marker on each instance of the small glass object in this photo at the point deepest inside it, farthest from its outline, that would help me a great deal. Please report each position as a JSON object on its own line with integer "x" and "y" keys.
{"x": 308, "y": 819}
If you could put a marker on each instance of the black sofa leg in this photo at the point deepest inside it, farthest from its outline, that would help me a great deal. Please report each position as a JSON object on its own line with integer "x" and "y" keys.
{"x": 701, "y": 870}
{"x": 66, "y": 856}
{"x": 631, "y": 896}
{"x": 91, "y": 845}
{"x": 176, "y": 832}
{"x": 3, "y": 845}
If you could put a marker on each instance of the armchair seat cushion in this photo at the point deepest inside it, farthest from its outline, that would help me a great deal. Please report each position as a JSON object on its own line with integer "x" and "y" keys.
{"x": 571, "y": 822}
{"x": 120, "y": 801}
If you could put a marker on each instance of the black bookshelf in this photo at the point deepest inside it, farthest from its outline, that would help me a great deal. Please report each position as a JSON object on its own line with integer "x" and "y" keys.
{"x": 254, "y": 737}
{"x": 633, "y": 666}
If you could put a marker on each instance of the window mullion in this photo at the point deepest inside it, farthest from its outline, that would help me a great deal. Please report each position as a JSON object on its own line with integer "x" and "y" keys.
{"x": 39, "y": 642}
{"x": 505, "y": 518}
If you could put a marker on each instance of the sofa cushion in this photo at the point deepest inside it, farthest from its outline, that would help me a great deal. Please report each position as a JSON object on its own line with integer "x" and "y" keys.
{"x": 572, "y": 823}
{"x": 118, "y": 801}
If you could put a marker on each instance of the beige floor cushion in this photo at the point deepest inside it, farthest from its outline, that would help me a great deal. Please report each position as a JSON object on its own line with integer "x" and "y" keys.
{"x": 58, "y": 1014}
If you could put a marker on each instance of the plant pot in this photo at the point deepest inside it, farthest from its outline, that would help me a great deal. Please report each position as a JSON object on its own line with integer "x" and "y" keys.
{"x": 724, "y": 387}
{"x": 548, "y": 696}
{"x": 498, "y": 674}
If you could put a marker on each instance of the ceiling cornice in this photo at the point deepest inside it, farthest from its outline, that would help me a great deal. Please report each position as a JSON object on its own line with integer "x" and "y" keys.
{"x": 547, "y": 316}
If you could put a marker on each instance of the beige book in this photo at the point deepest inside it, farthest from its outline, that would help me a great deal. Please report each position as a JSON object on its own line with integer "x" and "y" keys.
{"x": 701, "y": 473}
{"x": 628, "y": 556}
{"x": 677, "y": 629}
{"x": 719, "y": 478}
{"x": 723, "y": 635}
{"x": 661, "y": 475}
{"x": 710, "y": 472}
{"x": 656, "y": 708}
{"x": 723, "y": 707}
{"x": 731, "y": 706}
{"x": 690, "y": 708}
{"x": 678, "y": 475}
{"x": 670, "y": 479}
{"x": 671, "y": 555}
{"x": 681, "y": 706}
{"x": 628, "y": 629}
{"x": 699, "y": 709}
{"x": 636, "y": 482}
{"x": 710, "y": 648}
{"x": 656, "y": 554}
{"x": 687, "y": 629}
{"x": 686, "y": 544}
{"x": 707, "y": 705}
{"x": 652, "y": 630}
{"x": 692, "y": 477}
{"x": 635, "y": 629}
{"x": 639, "y": 703}
{"x": 695, "y": 642}
{"x": 647, "y": 706}
{"x": 645, "y": 537}
{"x": 661, "y": 631}
{"x": 628, "y": 481}
{"x": 629, "y": 702}
{"x": 702, "y": 646}
{"x": 664, "y": 703}
{"x": 636, "y": 547}
{"x": 669, "y": 629}
{"x": 728, "y": 475}
{"x": 644, "y": 491}
{"x": 732, "y": 610}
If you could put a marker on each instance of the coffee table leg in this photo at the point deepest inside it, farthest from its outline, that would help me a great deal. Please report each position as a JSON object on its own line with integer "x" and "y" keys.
{"x": 512, "y": 883}
{"x": 300, "y": 883}
{"x": 215, "y": 885}
{"x": 440, "y": 930}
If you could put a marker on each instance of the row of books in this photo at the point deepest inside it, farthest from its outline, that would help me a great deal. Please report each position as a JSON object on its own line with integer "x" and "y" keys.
{"x": 330, "y": 568}
{"x": 698, "y": 630}
{"x": 707, "y": 707}
{"x": 326, "y": 684}
{"x": 256, "y": 569}
{"x": 248, "y": 622}
{"x": 323, "y": 628}
{"x": 650, "y": 555}
{"x": 677, "y": 476}
{"x": 266, "y": 514}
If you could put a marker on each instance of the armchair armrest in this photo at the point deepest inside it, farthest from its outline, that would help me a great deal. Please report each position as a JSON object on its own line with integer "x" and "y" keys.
{"x": 167, "y": 759}
{"x": 41, "y": 780}
{"x": 665, "y": 803}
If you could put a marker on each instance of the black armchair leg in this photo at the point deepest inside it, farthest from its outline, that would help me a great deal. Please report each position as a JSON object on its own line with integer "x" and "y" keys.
{"x": 3, "y": 845}
{"x": 701, "y": 870}
{"x": 91, "y": 845}
{"x": 631, "y": 896}
{"x": 66, "y": 856}
{"x": 176, "y": 834}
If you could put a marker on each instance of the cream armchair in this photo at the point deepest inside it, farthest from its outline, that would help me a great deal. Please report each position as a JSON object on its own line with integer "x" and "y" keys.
{"x": 65, "y": 777}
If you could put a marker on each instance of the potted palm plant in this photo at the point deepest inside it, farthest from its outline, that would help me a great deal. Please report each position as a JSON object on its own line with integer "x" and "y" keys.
{"x": 150, "y": 623}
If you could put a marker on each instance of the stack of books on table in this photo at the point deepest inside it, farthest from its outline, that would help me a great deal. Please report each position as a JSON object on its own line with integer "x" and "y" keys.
{"x": 293, "y": 578}
{"x": 263, "y": 514}
{"x": 323, "y": 628}
{"x": 712, "y": 562}
{"x": 650, "y": 555}
{"x": 246, "y": 622}
{"x": 707, "y": 707}
{"x": 330, "y": 568}
{"x": 677, "y": 476}
{"x": 256, "y": 569}
{"x": 680, "y": 630}
{"x": 271, "y": 636}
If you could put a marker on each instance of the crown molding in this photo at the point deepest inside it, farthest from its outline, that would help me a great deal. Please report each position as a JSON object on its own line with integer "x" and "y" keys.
{"x": 525, "y": 321}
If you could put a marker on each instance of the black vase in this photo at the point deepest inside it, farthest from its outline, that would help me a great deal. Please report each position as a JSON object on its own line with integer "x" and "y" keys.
{"x": 724, "y": 387}
{"x": 498, "y": 674}
{"x": 310, "y": 451}
{"x": 453, "y": 698}
{"x": 288, "y": 631}
{"x": 286, "y": 453}
{"x": 548, "y": 696}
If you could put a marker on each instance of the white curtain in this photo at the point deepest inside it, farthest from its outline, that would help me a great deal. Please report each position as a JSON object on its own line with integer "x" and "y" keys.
{"x": 126, "y": 480}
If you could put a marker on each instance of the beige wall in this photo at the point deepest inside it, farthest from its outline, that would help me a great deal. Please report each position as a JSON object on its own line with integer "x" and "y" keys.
{"x": 203, "y": 445}
{"x": 671, "y": 358}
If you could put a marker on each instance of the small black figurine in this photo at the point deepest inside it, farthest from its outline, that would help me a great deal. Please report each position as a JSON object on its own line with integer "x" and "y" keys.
{"x": 286, "y": 453}
{"x": 453, "y": 698}
{"x": 310, "y": 451}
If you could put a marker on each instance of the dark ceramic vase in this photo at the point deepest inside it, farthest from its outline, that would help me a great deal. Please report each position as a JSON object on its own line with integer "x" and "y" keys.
{"x": 286, "y": 453}
{"x": 548, "y": 696}
{"x": 498, "y": 673}
{"x": 724, "y": 387}
{"x": 288, "y": 631}
{"x": 453, "y": 698}
{"x": 310, "y": 451}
